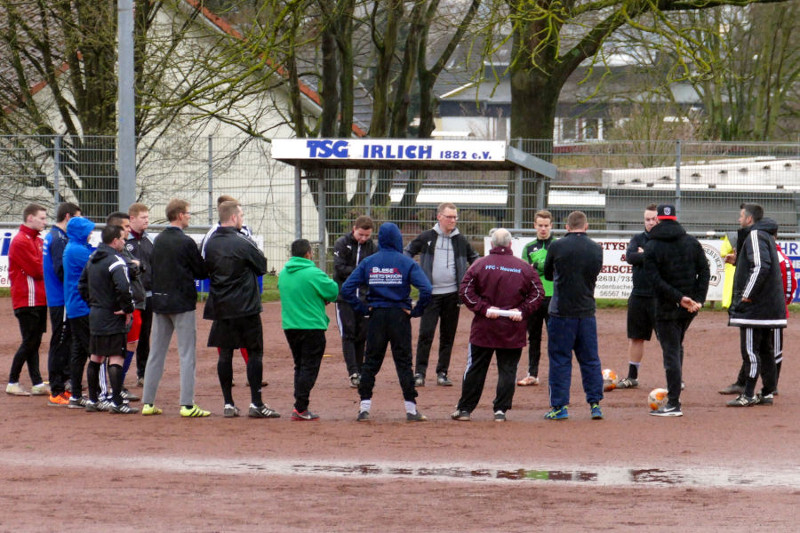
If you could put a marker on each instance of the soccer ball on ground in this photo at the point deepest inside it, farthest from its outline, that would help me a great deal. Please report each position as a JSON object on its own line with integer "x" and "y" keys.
{"x": 609, "y": 380}
{"x": 657, "y": 398}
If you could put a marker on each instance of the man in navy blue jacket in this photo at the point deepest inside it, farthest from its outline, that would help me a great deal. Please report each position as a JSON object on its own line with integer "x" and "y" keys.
{"x": 389, "y": 275}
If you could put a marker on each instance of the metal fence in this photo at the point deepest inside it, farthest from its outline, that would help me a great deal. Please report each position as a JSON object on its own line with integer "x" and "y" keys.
{"x": 611, "y": 181}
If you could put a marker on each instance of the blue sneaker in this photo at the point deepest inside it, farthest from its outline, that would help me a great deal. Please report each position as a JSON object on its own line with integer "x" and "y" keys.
{"x": 557, "y": 413}
{"x": 597, "y": 413}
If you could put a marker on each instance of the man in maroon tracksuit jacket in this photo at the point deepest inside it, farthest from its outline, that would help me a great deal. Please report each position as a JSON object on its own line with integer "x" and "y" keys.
{"x": 502, "y": 291}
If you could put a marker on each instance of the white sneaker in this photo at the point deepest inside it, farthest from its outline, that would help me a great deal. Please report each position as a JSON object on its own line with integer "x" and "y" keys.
{"x": 15, "y": 389}
{"x": 41, "y": 389}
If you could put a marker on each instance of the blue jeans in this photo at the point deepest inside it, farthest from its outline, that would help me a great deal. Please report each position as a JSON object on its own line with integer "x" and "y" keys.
{"x": 565, "y": 335}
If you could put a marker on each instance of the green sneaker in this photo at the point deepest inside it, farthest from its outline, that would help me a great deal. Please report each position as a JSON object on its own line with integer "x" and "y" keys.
{"x": 194, "y": 412}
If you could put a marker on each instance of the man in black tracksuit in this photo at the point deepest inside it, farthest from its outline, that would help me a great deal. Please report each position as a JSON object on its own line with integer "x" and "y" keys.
{"x": 140, "y": 245}
{"x": 234, "y": 264}
{"x": 105, "y": 286}
{"x": 348, "y": 251}
{"x": 445, "y": 255}
{"x": 757, "y": 307}
{"x": 677, "y": 266}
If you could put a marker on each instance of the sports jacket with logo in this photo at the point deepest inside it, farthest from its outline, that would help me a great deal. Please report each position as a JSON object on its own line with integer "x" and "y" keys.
{"x": 25, "y": 269}
{"x": 104, "y": 284}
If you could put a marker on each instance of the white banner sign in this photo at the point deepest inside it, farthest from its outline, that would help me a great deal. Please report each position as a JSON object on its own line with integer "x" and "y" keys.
{"x": 388, "y": 149}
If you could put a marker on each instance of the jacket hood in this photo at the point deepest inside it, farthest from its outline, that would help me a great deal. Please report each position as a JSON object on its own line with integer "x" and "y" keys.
{"x": 766, "y": 224}
{"x": 295, "y": 264}
{"x": 667, "y": 230}
{"x": 79, "y": 229}
{"x": 103, "y": 251}
{"x": 389, "y": 237}
{"x": 438, "y": 229}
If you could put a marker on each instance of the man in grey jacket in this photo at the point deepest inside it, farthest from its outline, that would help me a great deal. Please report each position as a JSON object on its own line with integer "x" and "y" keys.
{"x": 445, "y": 255}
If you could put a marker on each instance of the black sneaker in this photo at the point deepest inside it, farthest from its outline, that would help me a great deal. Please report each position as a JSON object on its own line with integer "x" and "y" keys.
{"x": 628, "y": 383}
{"x": 733, "y": 388}
{"x": 499, "y": 416}
{"x": 262, "y": 411}
{"x": 123, "y": 409}
{"x": 443, "y": 380}
{"x": 304, "y": 415}
{"x": 742, "y": 401}
{"x": 764, "y": 399}
{"x": 668, "y": 410}
{"x": 416, "y": 417}
{"x": 461, "y": 415}
{"x": 77, "y": 403}
{"x": 363, "y": 416}
{"x": 128, "y": 395}
{"x": 419, "y": 380}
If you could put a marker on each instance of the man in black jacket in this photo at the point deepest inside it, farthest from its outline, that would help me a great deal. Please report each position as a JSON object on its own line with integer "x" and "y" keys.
{"x": 445, "y": 255}
{"x": 641, "y": 303}
{"x": 234, "y": 264}
{"x": 105, "y": 285}
{"x": 348, "y": 251}
{"x": 176, "y": 264}
{"x": 757, "y": 307}
{"x": 140, "y": 245}
{"x": 677, "y": 267}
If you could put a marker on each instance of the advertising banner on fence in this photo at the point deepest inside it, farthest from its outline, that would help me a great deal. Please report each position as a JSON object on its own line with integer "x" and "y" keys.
{"x": 614, "y": 281}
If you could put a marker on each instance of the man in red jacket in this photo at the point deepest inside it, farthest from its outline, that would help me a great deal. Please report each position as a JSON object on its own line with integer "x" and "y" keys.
{"x": 28, "y": 299}
{"x": 502, "y": 291}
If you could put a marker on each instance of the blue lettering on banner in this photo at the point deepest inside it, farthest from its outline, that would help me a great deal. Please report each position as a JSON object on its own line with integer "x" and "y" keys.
{"x": 327, "y": 148}
{"x": 391, "y": 151}
{"x": 6, "y": 243}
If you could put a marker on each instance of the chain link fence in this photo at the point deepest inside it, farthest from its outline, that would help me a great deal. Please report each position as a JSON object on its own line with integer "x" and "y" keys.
{"x": 611, "y": 181}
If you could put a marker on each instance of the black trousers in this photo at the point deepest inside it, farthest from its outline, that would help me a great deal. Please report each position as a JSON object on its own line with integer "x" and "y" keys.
{"x": 32, "y": 325}
{"x": 446, "y": 308}
{"x": 307, "y": 347}
{"x": 79, "y": 327}
{"x": 758, "y": 357}
{"x": 353, "y": 330}
{"x": 60, "y": 347}
{"x": 777, "y": 350}
{"x": 535, "y": 323}
{"x": 143, "y": 348}
{"x": 388, "y": 326}
{"x": 670, "y": 334}
{"x": 475, "y": 377}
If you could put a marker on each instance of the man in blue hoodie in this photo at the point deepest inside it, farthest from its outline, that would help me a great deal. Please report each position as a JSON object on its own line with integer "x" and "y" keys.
{"x": 389, "y": 275}
{"x": 53, "y": 253}
{"x": 76, "y": 255}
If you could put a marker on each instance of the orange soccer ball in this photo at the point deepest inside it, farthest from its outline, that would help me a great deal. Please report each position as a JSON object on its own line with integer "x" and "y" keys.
{"x": 656, "y": 398}
{"x": 609, "y": 380}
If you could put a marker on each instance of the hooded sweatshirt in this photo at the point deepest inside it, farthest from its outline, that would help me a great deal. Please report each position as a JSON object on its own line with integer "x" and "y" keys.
{"x": 76, "y": 255}
{"x": 304, "y": 291}
{"x": 53, "y": 253}
{"x": 389, "y": 275}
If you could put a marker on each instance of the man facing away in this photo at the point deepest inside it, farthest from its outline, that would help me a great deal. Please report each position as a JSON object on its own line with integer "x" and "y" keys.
{"x": 758, "y": 307}
{"x": 535, "y": 253}
{"x": 305, "y": 291}
{"x": 573, "y": 263}
{"x": 176, "y": 264}
{"x": 389, "y": 275}
{"x": 502, "y": 291}
{"x": 60, "y": 340}
{"x": 445, "y": 255}
{"x": 234, "y": 264}
{"x": 641, "y": 303}
{"x": 677, "y": 267}
{"x": 105, "y": 285}
{"x": 348, "y": 251}
{"x": 25, "y": 270}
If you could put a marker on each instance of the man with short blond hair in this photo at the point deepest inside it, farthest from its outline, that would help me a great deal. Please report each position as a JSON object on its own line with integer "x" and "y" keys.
{"x": 445, "y": 255}
{"x": 176, "y": 264}
{"x": 140, "y": 246}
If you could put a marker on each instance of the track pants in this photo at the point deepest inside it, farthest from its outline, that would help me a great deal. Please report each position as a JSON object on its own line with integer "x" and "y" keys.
{"x": 388, "y": 326}
{"x": 475, "y": 377}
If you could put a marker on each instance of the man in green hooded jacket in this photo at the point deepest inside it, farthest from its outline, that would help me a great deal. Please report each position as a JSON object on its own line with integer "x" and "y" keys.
{"x": 305, "y": 291}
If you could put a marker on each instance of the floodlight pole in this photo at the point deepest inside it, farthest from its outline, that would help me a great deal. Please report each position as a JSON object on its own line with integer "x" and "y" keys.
{"x": 126, "y": 134}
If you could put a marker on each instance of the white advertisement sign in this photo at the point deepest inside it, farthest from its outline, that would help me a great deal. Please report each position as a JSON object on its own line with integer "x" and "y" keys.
{"x": 388, "y": 149}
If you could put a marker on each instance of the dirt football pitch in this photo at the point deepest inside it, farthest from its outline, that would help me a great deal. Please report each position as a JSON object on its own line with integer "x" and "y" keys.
{"x": 716, "y": 467}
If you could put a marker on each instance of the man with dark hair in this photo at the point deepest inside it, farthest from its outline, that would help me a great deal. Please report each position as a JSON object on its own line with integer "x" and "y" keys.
{"x": 535, "y": 253}
{"x": 234, "y": 263}
{"x": 445, "y": 255}
{"x": 176, "y": 264}
{"x": 25, "y": 270}
{"x": 76, "y": 255}
{"x": 305, "y": 291}
{"x": 573, "y": 263}
{"x": 348, "y": 251}
{"x": 502, "y": 291}
{"x": 60, "y": 340}
{"x": 677, "y": 267}
{"x": 757, "y": 307}
{"x": 642, "y": 301}
{"x": 105, "y": 285}
{"x": 140, "y": 246}
{"x": 389, "y": 275}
